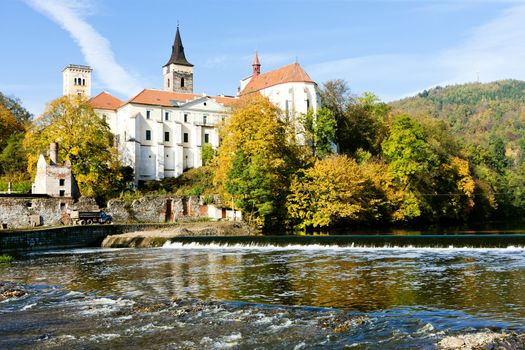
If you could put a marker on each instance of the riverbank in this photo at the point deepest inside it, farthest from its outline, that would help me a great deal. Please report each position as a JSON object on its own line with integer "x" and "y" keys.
{"x": 158, "y": 236}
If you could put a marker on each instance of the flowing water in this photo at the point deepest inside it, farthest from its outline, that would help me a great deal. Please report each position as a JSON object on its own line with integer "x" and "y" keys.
{"x": 242, "y": 295}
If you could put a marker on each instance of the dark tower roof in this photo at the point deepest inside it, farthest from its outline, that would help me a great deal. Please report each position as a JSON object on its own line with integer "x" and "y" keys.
{"x": 177, "y": 52}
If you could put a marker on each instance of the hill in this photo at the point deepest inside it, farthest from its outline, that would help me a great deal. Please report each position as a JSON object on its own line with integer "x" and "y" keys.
{"x": 479, "y": 114}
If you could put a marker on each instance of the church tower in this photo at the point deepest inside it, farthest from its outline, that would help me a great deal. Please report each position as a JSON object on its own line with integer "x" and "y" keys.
{"x": 77, "y": 80}
{"x": 178, "y": 72}
{"x": 256, "y": 66}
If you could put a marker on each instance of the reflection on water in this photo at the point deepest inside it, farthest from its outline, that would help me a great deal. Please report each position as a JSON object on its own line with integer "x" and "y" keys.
{"x": 449, "y": 289}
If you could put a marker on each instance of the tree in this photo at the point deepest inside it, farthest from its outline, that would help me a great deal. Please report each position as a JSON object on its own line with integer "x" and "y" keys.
{"x": 13, "y": 158}
{"x": 406, "y": 150}
{"x": 360, "y": 121}
{"x": 14, "y": 105}
{"x": 329, "y": 193}
{"x": 256, "y": 160}
{"x": 8, "y": 125}
{"x": 84, "y": 139}
{"x": 319, "y": 130}
{"x": 207, "y": 153}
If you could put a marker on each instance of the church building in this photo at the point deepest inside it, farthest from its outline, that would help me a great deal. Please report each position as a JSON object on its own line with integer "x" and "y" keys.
{"x": 160, "y": 132}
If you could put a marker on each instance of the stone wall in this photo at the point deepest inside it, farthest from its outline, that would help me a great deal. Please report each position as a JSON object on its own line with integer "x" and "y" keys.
{"x": 155, "y": 209}
{"x": 31, "y": 211}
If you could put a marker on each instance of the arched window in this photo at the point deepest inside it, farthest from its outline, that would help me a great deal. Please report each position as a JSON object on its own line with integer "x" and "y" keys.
{"x": 181, "y": 82}
{"x": 75, "y": 81}
{"x": 84, "y": 82}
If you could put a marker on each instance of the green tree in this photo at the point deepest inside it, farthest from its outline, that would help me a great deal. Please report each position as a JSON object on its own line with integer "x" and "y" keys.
{"x": 360, "y": 121}
{"x": 406, "y": 150}
{"x": 255, "y": 161}
{"x": 319, "y": 130}
{"x": 84, "y": 139}
{"x": 13, "y": 159}
{"x": 207, "y": 153}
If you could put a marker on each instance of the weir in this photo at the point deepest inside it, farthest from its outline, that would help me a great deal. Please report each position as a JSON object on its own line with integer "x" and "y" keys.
{"x": 366, "y": 241}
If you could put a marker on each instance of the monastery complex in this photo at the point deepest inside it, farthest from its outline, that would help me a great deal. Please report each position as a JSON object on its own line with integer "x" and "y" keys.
{"x": 160, "y": 133}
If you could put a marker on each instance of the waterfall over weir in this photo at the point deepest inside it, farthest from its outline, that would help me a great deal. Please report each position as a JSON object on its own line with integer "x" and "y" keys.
{"x": 510, "y": 241}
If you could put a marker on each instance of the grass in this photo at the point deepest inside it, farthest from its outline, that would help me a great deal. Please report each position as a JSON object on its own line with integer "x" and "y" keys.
{"x": 6, "y": 259}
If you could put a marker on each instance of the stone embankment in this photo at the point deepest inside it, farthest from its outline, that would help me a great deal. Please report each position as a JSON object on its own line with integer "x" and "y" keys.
{"x": 157, "y": 237}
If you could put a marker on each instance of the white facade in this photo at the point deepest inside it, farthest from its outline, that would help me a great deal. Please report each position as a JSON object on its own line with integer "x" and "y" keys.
{"x": 160, "y": 141}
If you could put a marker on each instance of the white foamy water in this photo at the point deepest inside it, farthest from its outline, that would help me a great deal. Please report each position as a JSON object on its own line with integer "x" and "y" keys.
{"x": 321, "y": 247}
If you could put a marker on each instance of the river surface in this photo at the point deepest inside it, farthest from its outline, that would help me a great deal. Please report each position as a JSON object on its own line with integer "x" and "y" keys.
{"x": 209, "y": 296}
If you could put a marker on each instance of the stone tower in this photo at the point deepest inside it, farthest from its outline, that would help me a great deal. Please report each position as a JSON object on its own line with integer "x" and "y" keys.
{"x": 178, "y": 72}
{"x": 77, "y": 80}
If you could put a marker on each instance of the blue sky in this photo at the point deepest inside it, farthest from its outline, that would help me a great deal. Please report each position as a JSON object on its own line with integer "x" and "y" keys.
{"x": 392, "y": 48}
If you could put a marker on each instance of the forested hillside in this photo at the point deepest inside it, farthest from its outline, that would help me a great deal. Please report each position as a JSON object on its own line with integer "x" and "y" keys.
{"x": 479, "y": 114}
{"x": 488, "y": 121}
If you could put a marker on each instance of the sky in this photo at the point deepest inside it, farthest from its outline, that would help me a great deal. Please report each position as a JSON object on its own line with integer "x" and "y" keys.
{"x": 389, "y": 47}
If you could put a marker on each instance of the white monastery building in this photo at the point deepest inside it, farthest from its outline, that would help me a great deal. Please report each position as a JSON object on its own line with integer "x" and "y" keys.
{"x": 160, "y": 133}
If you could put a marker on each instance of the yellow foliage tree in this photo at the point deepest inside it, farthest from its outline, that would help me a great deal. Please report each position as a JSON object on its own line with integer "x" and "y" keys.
{"x": 331, "y": 192}
{"x": 84, "y": 139}
{"x": 8, "y": 125}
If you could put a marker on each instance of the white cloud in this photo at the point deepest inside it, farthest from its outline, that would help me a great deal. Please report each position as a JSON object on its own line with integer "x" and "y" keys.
{"x": 491, "y": 51}
{"x": 69, "y": 14}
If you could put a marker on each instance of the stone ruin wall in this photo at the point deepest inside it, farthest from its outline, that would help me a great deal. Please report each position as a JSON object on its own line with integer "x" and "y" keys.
{"x": 155, "y": 209}
{"x": 30, "y": 211}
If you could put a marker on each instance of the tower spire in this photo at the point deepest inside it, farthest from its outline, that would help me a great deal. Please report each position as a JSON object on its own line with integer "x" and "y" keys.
{"x": 177, "y": 52}
{"x": 256, "y": 65}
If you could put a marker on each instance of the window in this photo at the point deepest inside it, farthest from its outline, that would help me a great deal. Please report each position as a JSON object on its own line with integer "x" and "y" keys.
{"x": 148, "y": 135}
{"x": 105, "y": 118}
{"x": 206, "y": 138}
{"x": 62, "y": 206}
{"x": 181, "y": 82}
{"x": 61, "y": 182}
{"x": 307, "y": 104}
{"x": 205, "y": 103}
{"x": 148, "y": 114}
{"x": 83, "y": 82}
{"x": 185, "y": 118}
{"x": 204, "y": 119}
{"x": 166, "y": 136}
{"x": 186, "y": 137}
{"x": 75, "y": 80}
{"x": 168, "y": 81}
{"x": 62, "y": 193}
{"x": 166, "y": 115}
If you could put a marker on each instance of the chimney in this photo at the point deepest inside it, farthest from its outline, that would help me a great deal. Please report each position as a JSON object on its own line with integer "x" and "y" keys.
{"x": 53, "y": 153}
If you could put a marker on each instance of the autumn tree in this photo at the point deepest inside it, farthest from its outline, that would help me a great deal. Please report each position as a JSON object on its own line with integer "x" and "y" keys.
{"x": 8, "y": 125}
{"x": 331, "y": 192}
{"x": 255, "y": 161}
{"x": 84, "y": 139}
{"x": 14, "y": 105}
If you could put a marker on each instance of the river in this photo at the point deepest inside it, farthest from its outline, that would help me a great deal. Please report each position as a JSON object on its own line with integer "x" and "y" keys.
{"x": 244, "y": 296}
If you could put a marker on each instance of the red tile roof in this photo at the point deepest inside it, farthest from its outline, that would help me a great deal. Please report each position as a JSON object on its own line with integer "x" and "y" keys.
{"x": 105, "y": 101}
{"x": 165, "y": 98}
{"x": 291, "y": 73}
